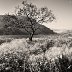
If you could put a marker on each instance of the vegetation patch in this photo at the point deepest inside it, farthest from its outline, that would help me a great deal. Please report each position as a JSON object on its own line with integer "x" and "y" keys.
{"x": 40, "y": 55}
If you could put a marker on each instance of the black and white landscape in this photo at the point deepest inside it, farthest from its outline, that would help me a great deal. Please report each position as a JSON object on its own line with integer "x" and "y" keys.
{"x": 36, "y": 36}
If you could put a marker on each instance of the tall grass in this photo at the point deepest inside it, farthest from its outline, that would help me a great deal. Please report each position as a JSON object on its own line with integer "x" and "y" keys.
{"x": 41, "y": 55}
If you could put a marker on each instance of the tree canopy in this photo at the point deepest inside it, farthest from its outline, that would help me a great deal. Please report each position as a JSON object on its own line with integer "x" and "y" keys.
{"x": 33, "y": 15}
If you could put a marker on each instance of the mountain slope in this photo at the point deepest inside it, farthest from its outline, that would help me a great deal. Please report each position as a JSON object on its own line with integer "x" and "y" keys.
{"x": 21, "y": 31}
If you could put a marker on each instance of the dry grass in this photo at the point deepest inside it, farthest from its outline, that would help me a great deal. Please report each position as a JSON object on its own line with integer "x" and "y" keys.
{"x": 50, "y": 54}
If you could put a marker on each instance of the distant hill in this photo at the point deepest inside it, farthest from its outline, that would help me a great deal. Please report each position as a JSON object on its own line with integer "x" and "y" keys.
{"x": 59, "y": 30}
{"x": 15, "y": 31}
{"x": 67, "y": 33}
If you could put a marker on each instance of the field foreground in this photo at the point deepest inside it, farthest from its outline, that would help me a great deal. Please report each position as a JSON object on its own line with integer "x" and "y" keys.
{"x": 52, "y": 54}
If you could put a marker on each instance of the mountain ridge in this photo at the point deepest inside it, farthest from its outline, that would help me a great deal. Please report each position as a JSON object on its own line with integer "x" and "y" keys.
{"x": 43, "y": 30}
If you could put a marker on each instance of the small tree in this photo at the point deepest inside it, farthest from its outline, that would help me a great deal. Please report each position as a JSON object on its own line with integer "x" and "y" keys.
{"x": 34, "y": 16}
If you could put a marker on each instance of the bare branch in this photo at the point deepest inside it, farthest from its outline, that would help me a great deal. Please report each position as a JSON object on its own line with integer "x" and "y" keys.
{"x": 34, "y": 16}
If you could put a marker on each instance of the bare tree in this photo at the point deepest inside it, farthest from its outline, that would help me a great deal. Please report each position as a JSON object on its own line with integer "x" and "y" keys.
{"x": 34, "y": 16}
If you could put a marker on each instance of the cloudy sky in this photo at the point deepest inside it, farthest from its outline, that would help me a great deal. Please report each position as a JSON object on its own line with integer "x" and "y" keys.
{"x": 62, "y": 10}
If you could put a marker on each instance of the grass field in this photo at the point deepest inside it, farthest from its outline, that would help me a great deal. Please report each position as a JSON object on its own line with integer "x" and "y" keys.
{"x": 51, "y": 53}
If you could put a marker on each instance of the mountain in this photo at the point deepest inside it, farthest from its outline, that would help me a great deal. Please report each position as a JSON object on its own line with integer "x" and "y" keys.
{"x": 67, "y": 33}
{"x": 59, "y": 30}
{"x": 15, "y": 31}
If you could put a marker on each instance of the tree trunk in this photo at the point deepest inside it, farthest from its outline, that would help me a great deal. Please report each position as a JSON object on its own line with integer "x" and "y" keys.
{"x": 30, "y": 38}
